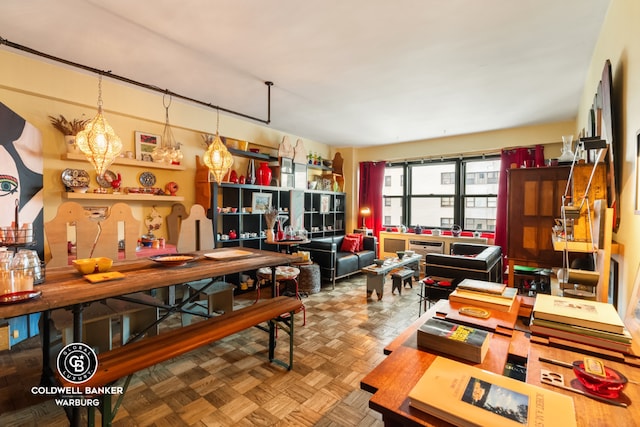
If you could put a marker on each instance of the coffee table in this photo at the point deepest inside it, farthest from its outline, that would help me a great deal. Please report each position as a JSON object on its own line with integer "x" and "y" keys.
{"x": 376, "y": 275}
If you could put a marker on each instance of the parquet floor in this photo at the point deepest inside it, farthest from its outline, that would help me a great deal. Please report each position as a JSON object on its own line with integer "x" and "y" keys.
{"x": 231, "y": 382}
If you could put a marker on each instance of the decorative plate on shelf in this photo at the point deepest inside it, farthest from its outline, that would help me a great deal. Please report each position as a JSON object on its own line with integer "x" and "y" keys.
{"x": 105, "y": 180}
{"x": 75, "y": 178}
{"x": 147, "y": 179}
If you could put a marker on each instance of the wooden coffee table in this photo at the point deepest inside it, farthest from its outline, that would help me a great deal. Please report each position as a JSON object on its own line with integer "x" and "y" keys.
{"x": 376, "y": 275}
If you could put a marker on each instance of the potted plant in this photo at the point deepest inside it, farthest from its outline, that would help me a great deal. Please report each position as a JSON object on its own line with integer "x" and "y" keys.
{"x": 69, "y": 129}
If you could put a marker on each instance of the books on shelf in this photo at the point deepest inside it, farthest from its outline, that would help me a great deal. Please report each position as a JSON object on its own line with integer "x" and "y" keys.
{"x": 482, "y": 286}
{"x": 503, "y": 302}
{"x": 468, "y": 396}
{"x": 456, "y": 340}
{"x": 589, "y": 314}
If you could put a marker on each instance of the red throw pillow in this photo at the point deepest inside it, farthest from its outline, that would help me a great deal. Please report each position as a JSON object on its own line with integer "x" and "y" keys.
{"x": 360, "y": 238}
{"x": 349, "y": 244}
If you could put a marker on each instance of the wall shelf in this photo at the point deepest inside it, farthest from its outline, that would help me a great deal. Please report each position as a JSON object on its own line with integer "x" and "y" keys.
{"x": 127, "y": 162}
{"x": 573, "y": 246}
{"x": 121, "y": 196}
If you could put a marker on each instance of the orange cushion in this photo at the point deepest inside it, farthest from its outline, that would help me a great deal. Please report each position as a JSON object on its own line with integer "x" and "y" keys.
{"x": 360, "y": 238}
{"x": 349, "y": 244}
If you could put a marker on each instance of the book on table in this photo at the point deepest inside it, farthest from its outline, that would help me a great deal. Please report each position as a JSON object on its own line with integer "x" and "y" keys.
{"x": 456, "y": 340}
{"x": 580, "y": 338}
{"x": 589, "y": 314}
{"x": 482, "y": 286}
{"x": 468, "y": 396}
{"x": 484, "y": 300}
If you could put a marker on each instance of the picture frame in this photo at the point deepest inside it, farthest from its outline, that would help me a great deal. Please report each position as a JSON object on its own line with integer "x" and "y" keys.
{"x": 325, "y": 203}
{"x": 296, "y": 203}
{"x": 300, "y": 176}
{"x": 145, "y": 144}
{"x": 286, "y": 165}
{"x": 632, "y": 316}
{"x": 260, "y": 202}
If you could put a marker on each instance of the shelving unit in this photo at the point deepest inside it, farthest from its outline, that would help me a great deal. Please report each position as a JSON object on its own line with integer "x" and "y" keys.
{"x": 124, "y": 196}
{"x": 329, "y": 222}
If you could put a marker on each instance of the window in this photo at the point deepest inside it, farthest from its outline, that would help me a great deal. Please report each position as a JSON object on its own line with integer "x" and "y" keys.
{"x": 392, "y": 194}
{"x": 446, "y": 202}
{"x": 447, "y": 178}
{"x": 443, "y": 193}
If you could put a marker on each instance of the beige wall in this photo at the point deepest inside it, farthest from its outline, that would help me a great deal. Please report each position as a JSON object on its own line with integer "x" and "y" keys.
{"x": 549, "y": 135}
{"x": 619, "y": 42}
{"x": 36, "y": 89}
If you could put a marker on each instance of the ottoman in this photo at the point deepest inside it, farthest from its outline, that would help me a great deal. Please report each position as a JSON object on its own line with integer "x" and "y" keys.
{"x": 309, "y": 279}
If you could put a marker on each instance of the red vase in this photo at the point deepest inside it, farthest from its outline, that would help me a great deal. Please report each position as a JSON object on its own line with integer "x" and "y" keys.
{"x": 264, "y": 174}
{"x": 280, "y": 232}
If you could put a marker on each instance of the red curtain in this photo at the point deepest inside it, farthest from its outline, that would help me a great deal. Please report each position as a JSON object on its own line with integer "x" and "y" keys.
{"x": 370, "y": 194}
{"x": 512, "y": 158}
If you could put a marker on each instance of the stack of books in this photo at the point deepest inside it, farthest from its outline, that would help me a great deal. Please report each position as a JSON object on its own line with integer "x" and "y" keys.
{"x": 586, "y": 322}
{"x": 456, "y": 340}
{"x": 464, "y": 395}
{"x": 477, "y": 293}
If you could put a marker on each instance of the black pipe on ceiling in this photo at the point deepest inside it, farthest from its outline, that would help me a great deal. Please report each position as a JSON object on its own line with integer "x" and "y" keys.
{"x": 266, "y": 121}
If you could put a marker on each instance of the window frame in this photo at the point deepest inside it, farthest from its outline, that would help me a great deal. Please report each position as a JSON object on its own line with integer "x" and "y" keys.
{"x": 459, "y": 197}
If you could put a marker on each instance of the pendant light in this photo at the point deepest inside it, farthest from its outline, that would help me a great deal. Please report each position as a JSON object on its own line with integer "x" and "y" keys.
{"x": 98, "y": 141}
{"x": 217, "y": 157}
{"x": 169, "y": 150}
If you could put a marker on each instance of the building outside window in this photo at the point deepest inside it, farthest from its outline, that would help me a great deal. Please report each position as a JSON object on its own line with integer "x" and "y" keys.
{"x": 440, "y": 194}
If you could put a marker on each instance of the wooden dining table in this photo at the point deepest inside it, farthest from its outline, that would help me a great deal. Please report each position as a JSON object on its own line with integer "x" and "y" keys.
{"x": 65, "y": 287}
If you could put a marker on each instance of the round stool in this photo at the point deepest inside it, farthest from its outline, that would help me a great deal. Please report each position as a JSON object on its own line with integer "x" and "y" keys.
{"x": 283, "y": 273}
{"x": 309, "y": 279}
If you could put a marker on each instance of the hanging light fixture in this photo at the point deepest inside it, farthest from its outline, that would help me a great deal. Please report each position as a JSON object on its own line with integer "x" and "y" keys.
{"x": 217, "y": 157}
{"x": 98, "y": 141}
{"x": 169, "y": 149}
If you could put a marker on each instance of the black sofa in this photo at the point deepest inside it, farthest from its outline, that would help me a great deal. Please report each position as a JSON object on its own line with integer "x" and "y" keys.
{"x": 335, "y": 264}
{"x": 467, "y": 261}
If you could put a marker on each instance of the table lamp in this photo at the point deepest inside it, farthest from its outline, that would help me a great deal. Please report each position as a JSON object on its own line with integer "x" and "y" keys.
{"x": 364, "y": 212}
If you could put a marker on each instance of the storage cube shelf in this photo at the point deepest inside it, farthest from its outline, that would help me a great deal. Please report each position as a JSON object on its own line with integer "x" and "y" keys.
{"x": 323, "y": 213}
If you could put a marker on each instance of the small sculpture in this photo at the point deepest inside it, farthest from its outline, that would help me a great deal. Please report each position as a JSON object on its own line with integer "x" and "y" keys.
{"x": 300, "y": 155}
{"x": 115, "y": 183}
{"x": 171, "y": 188}
{"x": 285, "y": 150}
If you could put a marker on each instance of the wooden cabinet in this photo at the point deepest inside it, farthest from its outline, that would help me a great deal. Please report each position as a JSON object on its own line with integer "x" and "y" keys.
{"x": 535, "y": 200}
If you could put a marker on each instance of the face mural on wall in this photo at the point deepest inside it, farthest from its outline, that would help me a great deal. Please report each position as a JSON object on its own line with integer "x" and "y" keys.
{"x": 21, "y": 166}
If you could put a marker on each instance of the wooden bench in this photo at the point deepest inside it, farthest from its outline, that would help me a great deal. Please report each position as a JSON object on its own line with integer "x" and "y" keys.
{"x": 126, "y": 360}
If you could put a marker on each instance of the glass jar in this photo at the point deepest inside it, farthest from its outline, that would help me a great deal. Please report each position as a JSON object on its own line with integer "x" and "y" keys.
{"x": 22, "y": 272}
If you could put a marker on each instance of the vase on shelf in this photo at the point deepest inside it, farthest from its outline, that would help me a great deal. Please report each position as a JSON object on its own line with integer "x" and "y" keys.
{"x": 70, "y": 142}
{"x": 567, "y": 155}
{"x": 264, "y": 174}
{"x": 270, "y": 235}
{"x": 280, "y": 232}
{"x": 251, "y": 172}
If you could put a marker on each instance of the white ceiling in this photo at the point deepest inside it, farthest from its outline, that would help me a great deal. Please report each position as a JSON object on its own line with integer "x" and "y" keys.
{"x": 346, "y": 72}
